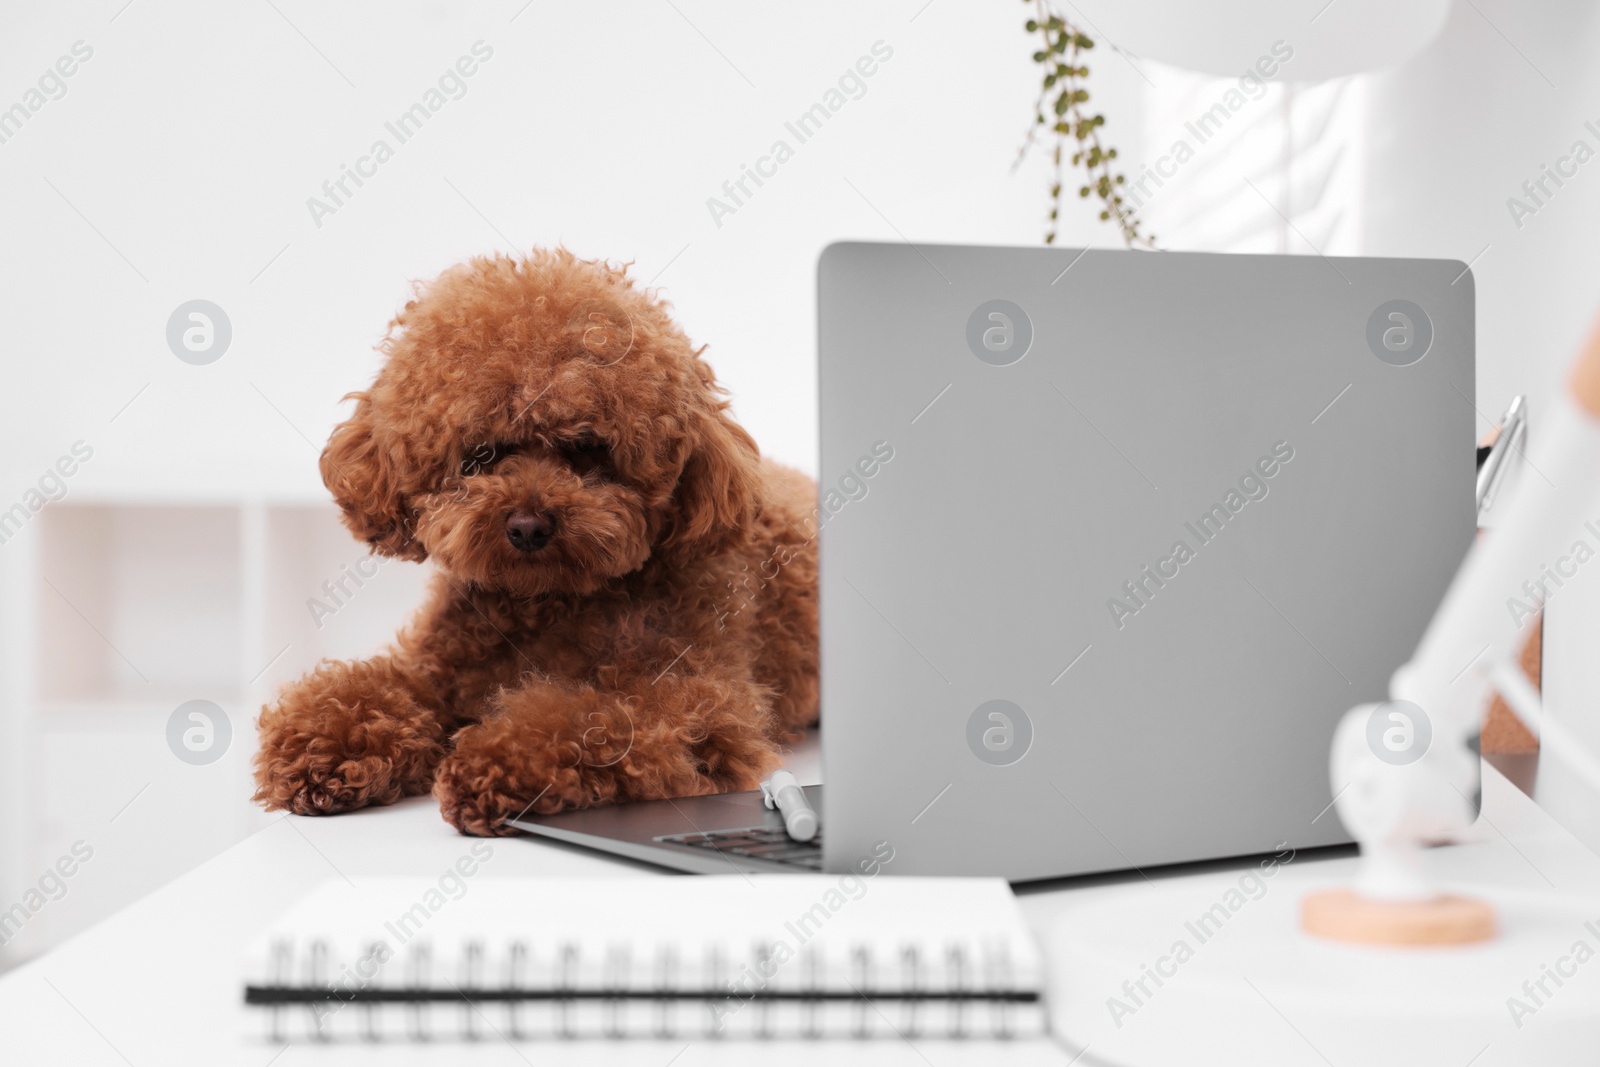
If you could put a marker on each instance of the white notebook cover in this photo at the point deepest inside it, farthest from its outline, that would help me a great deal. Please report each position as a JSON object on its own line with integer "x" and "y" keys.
{"x": 730, "y": 956}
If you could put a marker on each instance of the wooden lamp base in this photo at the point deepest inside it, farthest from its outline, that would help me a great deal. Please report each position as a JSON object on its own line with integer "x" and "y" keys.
{"x": 1344, "y": 915}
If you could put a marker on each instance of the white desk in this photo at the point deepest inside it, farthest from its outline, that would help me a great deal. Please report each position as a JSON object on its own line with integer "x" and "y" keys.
{"x": 159, "y": 983}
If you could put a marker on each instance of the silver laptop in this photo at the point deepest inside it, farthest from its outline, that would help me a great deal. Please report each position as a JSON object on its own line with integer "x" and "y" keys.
{"x": 1111, "y": 540}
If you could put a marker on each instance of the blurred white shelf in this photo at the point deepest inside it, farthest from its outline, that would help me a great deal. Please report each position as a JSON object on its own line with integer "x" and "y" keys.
{"x": 122, "y": 714}
{"x": 119, "y": 608}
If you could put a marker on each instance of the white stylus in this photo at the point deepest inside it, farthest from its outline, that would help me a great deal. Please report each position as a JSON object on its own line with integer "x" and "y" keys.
{"x": 781, "y": 791}
{"x": 1496, "y": 463}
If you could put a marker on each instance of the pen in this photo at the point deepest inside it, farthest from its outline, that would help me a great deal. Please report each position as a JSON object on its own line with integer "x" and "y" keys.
{"x": 781, "y": 791}
{"x": 1512, "y": 426}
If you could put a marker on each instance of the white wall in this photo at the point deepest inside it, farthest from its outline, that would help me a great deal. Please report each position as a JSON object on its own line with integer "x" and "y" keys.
{"x": 1505, "y": 89}
{"x": 194, "y": 136}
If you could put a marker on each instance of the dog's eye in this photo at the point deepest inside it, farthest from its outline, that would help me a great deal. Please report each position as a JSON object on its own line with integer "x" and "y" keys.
{"x": 483, "y": 457}
{"x": 585, "y": 453}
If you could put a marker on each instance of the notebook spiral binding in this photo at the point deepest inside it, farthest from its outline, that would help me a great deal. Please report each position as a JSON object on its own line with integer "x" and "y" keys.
{"x": 514, "y": 994}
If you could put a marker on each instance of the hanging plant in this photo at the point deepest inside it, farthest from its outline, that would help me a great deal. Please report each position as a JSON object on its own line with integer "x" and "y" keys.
{"x": 1073, "y": 133}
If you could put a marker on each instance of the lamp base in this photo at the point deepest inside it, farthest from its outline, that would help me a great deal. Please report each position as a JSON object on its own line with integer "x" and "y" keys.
{"x": 1345, "y": 915}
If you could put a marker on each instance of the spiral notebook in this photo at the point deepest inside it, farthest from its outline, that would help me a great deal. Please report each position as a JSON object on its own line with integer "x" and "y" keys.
{"x": 797, "y": 956}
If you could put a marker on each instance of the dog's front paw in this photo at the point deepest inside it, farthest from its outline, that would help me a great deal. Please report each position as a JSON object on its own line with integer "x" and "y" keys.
{"x": 315, "y": 781}
{"x": 485, "y": 782}
{"x": 342, "y": 738}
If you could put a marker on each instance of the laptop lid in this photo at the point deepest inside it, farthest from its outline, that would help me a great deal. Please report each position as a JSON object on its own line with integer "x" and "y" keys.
{"x": 1111, "y": 540}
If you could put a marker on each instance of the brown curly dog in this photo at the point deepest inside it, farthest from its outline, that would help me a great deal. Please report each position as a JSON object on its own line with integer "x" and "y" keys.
{"x": 624, "y": 600}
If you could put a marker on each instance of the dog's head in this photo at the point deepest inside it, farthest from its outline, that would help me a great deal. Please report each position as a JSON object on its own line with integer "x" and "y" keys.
{"x": 541, "y": 425}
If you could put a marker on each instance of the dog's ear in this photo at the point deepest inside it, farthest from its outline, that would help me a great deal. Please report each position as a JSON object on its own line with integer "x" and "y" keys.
{"x": 716, "y": 497}
{"x": 364, "y": 483}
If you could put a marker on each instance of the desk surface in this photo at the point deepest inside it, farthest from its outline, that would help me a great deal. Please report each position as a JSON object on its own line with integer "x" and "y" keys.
{"x": 159, "y": 983}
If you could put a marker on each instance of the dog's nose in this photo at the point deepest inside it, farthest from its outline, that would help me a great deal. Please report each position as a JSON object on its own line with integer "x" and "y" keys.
{"x": 529, "y": 531}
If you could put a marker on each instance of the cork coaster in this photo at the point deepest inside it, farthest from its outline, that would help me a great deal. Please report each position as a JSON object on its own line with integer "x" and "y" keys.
{"x": 1342, "y": 915}
{"x": 1503, "y": 733}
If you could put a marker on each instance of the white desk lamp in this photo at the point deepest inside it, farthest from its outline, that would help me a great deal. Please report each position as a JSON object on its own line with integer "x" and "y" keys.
{"x": 1395, "y": 806}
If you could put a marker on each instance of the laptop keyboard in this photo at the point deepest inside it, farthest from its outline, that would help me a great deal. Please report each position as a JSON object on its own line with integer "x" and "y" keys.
{"x": 758, "y": 842}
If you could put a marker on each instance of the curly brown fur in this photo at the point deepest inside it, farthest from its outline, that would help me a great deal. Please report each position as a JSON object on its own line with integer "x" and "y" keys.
{"x": 652, "y": 634}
